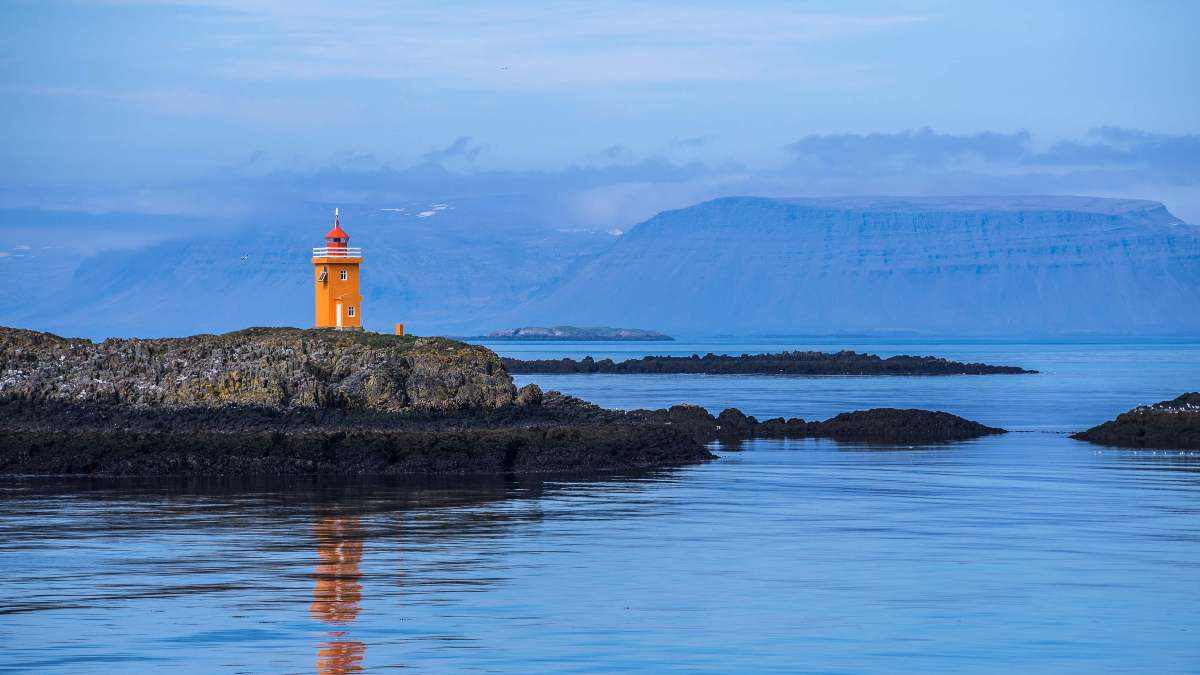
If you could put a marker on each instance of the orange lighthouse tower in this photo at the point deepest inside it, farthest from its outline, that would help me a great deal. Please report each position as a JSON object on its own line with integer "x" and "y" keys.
{"x": 338, "y": 302}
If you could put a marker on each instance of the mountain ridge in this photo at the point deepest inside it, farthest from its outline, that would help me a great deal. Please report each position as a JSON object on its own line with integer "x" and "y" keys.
{"x": 1035, "y": 265}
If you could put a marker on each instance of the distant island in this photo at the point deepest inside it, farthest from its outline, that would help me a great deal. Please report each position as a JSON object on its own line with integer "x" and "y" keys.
{"x": 783, "y": 363}
{"x": 578, "y": 333}
{"x": 288, "y": 401}
{"x": 1166, "y": 425}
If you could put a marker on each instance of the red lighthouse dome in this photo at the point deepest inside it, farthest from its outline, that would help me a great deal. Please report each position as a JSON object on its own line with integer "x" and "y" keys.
{"x": 337, "y": 237}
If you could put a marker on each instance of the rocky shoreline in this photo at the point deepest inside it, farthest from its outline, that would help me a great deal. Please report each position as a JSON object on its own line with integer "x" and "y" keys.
{"x": 1166, "y": 425}
{"x": 347, "y": 452}
{"x": 291, "y": 402}
{"x": 783, "y": 363}
{"x": 550, "y": 433}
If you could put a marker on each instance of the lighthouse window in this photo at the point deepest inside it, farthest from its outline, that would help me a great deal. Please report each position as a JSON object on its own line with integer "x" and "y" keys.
{"x": 349, "y": 311}
{"x": 345, "y": 275}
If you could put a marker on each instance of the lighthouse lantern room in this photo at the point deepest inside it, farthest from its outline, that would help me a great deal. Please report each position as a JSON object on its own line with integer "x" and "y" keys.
{"x": 335, "y": 268}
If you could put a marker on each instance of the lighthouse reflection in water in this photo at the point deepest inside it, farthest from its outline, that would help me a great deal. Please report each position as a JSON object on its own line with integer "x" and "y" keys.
{"x": 337, "y": 595}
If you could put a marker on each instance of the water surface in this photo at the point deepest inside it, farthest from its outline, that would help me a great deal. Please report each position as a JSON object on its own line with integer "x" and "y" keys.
{"x": 1028, "y": 551}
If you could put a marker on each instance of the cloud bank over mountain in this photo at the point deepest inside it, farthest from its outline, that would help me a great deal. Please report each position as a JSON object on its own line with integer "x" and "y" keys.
{"x": 1107, "y": 161}
{"x": 1163, "y": 157}
{"x": 617, "y": 187}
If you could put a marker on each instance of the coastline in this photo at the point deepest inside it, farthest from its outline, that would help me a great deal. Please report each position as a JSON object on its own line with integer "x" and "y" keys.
{"x": 550, "y": 433}
{"x": 285, "y": 401}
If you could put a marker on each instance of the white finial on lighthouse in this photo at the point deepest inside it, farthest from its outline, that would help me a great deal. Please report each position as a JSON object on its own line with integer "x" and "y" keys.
{"x": 336, "y": 218}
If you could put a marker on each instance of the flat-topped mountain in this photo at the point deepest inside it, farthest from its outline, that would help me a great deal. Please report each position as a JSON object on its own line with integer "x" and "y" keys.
{"x": 954, "y": 265}
{"x": 579, "y": 333}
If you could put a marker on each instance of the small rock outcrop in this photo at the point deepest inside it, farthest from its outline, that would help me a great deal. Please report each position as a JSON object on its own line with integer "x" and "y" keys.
{"x": 530, "y": 394}
{"x": 1167, "y": 425}
{"x": 876, "y": 425}
{"x": 900, "y": 425}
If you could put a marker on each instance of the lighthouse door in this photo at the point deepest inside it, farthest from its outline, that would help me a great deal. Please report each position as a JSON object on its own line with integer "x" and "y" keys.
{"x": 339, "y": 315}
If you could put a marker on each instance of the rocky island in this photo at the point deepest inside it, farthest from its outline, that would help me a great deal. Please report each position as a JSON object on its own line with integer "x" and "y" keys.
{"x": 279, "y": 401}
{"x": 783, "y": 363}
{"x": 579, "y": 333}
{"x": 1166, "y": 425}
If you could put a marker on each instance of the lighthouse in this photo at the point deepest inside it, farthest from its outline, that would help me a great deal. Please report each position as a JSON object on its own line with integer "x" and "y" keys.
{"x": 338, "y": 304}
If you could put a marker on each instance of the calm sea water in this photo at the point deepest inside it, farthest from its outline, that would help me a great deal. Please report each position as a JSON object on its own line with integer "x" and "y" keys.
{"x": 1028, "y": 552}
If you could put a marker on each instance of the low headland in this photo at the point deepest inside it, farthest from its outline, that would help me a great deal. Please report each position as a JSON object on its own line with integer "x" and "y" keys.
{"x": 285, "y": 401}
{"x": 783, "y": 363}
{"x": 1166, "y": 425}
{"x": 585, "y": 333}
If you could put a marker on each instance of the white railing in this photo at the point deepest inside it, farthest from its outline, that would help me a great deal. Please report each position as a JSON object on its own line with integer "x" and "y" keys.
{"x": 337, "y": 252}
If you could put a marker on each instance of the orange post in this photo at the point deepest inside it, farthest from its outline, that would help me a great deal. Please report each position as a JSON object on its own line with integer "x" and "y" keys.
{"x": 399, "y": 329}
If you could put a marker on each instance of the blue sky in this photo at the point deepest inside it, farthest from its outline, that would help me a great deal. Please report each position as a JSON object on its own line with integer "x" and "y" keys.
{"x": 211, "y": 106}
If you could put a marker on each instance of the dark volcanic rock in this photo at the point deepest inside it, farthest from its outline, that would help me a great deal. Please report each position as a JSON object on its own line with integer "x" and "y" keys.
{"x": 530, "y": 394}
{"x": 784, "y": 363}
{"x": 348, "y": 452}
{"x": 278, "y": 367}
{"x": 896, "y": 425}
{"x": 877, "y": 425}
{"x": 734, "y": 422}
{"x": 60, "y": 438}
{"x": 1169, "y": 425}
{"x": 287, "y": 401}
